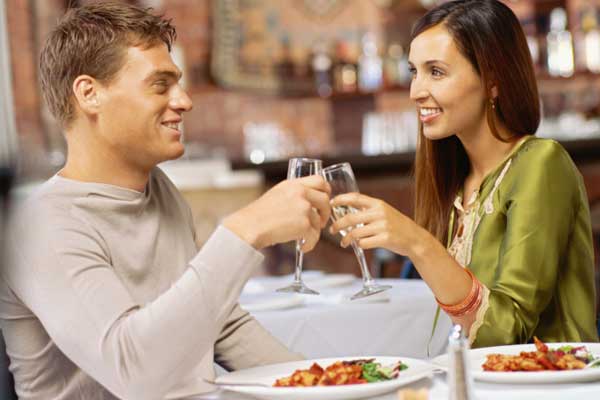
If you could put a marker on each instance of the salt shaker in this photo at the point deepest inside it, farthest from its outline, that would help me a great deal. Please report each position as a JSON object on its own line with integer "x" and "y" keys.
{"x": 460, "y": 384}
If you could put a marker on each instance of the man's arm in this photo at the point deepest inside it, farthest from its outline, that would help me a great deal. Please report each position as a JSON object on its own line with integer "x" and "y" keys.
{"x": 61, "y": 270}
{"x": 136, "y": 351}
{"x": 244, "y": 343}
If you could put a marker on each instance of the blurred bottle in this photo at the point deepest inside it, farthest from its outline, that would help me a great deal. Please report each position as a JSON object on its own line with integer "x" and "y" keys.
{"x": 460, "y": 382}
{"x": 344, "y": 69}
{"x": 532, "y": 40}
{"x": 321, "y": 66}
{"x": 591, "y": 40}
{"x": 395, "y": 71}
{"x": 560, "y": 45}
{"x": 370, "y": 65}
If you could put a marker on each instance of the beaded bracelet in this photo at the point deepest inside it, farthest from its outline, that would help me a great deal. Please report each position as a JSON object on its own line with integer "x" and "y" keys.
{"x": 469, "y": 304}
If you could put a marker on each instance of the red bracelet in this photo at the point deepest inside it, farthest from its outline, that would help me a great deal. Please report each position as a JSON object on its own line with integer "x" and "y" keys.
{"x": 469, "y": 304}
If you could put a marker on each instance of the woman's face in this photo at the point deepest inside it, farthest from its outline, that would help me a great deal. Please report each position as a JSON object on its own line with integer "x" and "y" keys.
{"x": 449, "y": 94}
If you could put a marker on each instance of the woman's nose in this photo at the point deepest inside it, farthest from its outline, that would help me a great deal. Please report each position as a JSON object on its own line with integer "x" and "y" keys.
{"x": 418, "y": 90}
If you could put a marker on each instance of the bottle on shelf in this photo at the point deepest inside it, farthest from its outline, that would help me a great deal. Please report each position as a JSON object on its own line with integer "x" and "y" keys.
{"x": 560, "y": 45}
{"x": 591, "y": 40}
{"x": 395, "y": 71}
{"x": 321, "y": 66}
{"x": 344, "y": 69}
{"x": 370, "y": 65}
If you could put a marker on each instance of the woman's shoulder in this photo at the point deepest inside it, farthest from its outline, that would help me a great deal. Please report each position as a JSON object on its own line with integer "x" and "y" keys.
{"x": 544, "y": 166}
{"x": 545, "y": 156}
{"x": 543, "y": 149}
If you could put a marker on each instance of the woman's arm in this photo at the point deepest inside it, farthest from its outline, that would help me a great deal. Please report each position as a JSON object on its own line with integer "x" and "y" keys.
{"x": 384, "y": 226}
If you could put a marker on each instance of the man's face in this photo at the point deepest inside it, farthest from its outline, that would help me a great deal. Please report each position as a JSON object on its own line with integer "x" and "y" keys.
{"x": 141, "y": 109}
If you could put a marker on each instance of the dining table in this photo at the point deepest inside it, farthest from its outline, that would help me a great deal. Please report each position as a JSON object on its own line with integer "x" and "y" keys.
{"x": 398, "y": 322}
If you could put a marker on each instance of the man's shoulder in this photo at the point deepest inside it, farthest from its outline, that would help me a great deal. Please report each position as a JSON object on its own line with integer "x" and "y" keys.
{"x": 162, "y": 185}
{"x": 41, "y": 201}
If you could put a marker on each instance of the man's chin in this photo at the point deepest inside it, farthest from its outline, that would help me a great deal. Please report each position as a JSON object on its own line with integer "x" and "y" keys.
{"x": 174, "y": 153}
{"x": 177, "y": 154}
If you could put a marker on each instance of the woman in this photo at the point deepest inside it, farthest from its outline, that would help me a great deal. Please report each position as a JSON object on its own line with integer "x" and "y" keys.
{"x": 511, "y": 208}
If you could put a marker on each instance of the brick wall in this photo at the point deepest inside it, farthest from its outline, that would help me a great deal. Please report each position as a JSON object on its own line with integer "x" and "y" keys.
{"x": 218, "y": 116}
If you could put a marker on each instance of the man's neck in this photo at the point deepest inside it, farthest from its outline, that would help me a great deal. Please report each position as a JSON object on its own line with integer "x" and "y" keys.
{"x": 93, "y": 162}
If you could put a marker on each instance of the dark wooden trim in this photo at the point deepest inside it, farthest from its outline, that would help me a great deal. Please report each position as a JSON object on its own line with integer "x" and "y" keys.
{"x": 582, "y": 151}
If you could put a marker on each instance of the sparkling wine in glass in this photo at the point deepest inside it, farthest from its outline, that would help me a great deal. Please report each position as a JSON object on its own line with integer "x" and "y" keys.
{"x": 341, "y": 179}
{"x": 297, "y": 168}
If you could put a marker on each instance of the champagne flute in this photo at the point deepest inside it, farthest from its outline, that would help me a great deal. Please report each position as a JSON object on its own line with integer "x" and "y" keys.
{"x": 299, "y": 167}
{"x": 341, "y": 179}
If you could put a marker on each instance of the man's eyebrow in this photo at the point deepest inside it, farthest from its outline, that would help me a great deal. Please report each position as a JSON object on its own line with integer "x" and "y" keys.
{"x": 166, "y": 73}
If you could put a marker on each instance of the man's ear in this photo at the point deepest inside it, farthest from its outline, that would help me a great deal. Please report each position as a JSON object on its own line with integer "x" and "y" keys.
{"x": 86, "y": 91}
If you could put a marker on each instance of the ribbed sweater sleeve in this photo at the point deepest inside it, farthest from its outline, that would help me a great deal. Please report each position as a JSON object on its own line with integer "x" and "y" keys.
{"x": 64, "y": 275}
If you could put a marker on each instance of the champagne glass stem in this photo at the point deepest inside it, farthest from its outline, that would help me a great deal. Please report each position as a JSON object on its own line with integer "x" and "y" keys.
{"x": 299, "y": 258}
{"x": 362, "y": 261}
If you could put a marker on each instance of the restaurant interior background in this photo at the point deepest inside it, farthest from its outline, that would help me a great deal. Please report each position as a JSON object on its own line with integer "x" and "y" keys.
{"x": 272, "y": 79}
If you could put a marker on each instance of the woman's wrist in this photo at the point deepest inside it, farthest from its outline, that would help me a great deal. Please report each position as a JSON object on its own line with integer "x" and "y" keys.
{"x": 422, "y": 245}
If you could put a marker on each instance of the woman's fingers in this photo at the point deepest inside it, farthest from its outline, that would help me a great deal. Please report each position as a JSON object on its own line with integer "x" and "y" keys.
{"x": 372, "y": 242}
{"x": 360, "y": 233}
{"x": 354, "y": 199}
{"x": 353, "y": 219}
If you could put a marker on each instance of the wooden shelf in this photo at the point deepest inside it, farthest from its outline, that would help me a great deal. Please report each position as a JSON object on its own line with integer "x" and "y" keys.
{"x": 582, "y": 151}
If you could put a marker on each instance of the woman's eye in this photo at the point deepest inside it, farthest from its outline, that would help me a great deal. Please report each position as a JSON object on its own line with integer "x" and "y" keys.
{"x": 412, "y": 71}
{"x": 436, "y": 72}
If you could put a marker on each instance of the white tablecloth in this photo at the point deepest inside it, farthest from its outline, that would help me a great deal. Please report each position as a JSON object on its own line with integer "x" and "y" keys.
{"x": 395, "y": 323}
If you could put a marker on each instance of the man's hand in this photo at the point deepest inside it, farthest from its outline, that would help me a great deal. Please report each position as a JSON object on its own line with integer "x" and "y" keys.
{"x": 291, "y": 210}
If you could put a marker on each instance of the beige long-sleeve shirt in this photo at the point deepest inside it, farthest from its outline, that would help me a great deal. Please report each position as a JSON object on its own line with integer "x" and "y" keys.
{"x": 106, "y": 296}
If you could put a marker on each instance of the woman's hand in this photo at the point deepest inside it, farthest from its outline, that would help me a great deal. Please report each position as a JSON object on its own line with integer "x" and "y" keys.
{"x": 376, "y": 224}
{"x": 384, "y": 226}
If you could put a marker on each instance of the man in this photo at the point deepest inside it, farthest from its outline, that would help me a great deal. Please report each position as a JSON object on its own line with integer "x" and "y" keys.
{"x": 106, "y": 295}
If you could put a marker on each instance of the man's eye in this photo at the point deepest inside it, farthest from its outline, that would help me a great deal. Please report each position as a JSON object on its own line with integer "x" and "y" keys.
{"x": 160, "y": 85}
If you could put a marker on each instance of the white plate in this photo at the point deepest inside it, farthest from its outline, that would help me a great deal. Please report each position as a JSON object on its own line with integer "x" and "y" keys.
{"x": 270, "y": 302}
{"x": 267, "y": 375}
{"x": 476, "y": 357}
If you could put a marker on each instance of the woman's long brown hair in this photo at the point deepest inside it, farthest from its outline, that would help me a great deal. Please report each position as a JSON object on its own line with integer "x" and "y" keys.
{"x": 489, "y": 35}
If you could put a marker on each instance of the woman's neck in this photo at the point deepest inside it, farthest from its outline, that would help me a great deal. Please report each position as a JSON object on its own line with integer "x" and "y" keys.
{"x": 485, "y": 151}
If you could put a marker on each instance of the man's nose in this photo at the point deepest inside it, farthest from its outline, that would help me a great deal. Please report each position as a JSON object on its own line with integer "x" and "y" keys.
{"x": 181, "y": 100}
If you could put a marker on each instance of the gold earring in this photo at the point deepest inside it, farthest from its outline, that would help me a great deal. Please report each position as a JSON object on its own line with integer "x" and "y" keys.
{"x": 493, "y": 104}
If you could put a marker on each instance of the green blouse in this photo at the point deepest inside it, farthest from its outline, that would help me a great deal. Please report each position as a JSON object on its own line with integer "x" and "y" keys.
{"x": 531, "y": 246}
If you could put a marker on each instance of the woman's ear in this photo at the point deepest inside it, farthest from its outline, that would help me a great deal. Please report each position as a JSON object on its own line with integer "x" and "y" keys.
{"x": 85, "y": 89}
{"x": 494, "y": 92}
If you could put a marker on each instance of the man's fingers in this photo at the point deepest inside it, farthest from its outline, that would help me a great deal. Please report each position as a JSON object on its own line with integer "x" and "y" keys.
{"x": 316, "y": 182}
{"x": 320, "y": 201}
{"x": 315, "y": 219}
{"x": 311, "y": 240}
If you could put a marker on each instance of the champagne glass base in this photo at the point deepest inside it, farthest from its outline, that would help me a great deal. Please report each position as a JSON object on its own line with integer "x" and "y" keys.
{"x": 369, "y": 290}
{"x": 297, "y": 287}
